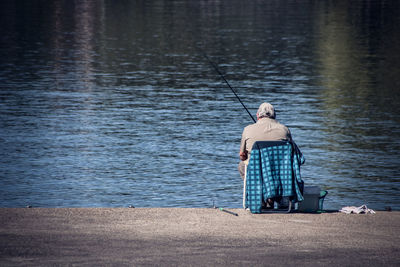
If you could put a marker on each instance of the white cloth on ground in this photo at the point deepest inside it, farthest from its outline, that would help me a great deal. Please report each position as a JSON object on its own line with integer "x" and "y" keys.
{"x": 358, "y": 210}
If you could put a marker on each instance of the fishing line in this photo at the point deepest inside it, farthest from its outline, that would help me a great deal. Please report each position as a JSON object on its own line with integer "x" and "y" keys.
{"x": 233, "y": 91}
{"x": 238, "y": 98}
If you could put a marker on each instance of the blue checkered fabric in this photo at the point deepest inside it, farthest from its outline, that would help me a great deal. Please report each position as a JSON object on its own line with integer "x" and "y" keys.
{"x": 273, "y": 171}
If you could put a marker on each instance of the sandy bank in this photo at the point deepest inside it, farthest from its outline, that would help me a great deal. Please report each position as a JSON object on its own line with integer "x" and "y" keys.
{"x": 177, "y": 236}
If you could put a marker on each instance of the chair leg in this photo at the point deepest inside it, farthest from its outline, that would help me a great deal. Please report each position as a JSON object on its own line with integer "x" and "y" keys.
{"x": 244, "y": 187}
{"x": 290, "y": 206}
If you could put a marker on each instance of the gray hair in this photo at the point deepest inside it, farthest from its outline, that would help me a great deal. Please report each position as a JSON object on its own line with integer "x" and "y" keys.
{"x": 266, "y": 110}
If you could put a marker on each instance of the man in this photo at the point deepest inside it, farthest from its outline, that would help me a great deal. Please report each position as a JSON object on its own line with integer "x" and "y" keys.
{"x": 265, "y": 129}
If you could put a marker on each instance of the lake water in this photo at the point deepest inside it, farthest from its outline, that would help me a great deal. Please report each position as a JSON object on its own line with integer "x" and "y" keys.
{"x": 112, "y": 103}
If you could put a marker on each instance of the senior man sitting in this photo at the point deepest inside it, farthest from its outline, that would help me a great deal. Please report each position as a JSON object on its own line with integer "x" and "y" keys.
{"x": 267, "y": 128}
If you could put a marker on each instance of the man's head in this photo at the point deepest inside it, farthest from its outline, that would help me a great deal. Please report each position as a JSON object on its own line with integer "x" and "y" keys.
{"x": 266, "y": 110}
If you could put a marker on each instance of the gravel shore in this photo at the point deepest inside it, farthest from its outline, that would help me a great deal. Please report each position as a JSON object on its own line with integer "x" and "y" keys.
{"x": 190, "y": 236}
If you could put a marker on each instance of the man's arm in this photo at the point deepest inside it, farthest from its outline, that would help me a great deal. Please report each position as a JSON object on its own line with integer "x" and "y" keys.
{"x": 243, "y": 152}
{"x": 243, "y": 155}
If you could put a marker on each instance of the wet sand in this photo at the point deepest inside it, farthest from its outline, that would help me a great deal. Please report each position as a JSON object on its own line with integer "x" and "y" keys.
{"x": 201, "y": 237}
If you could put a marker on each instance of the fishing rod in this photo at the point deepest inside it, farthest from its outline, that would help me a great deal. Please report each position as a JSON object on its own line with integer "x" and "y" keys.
{"x": 233, "y": 91}
{"x": 225, "y": 210}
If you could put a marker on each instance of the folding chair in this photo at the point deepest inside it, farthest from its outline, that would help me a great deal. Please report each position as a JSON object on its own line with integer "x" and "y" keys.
{"x": 273, "y": 173}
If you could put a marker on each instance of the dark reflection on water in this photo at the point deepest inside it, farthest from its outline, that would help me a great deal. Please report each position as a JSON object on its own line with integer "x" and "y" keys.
{"x": 111, "y": 103}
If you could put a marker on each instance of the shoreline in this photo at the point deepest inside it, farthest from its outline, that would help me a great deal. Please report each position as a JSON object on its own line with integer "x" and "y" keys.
{"x": 195, "y": 236}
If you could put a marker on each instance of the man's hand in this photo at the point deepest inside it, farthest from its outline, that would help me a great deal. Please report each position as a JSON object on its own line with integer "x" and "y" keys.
{"x": 243, "y": 155}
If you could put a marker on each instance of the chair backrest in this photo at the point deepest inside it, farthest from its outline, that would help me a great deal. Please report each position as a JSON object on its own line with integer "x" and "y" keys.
{"x": 273, "y": 171}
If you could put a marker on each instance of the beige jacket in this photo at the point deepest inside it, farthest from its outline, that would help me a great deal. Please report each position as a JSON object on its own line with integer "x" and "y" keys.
{"x": 265, "y": 129}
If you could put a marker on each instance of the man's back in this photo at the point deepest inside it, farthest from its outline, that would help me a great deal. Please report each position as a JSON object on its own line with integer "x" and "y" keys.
{"x": 265, "y": 129}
